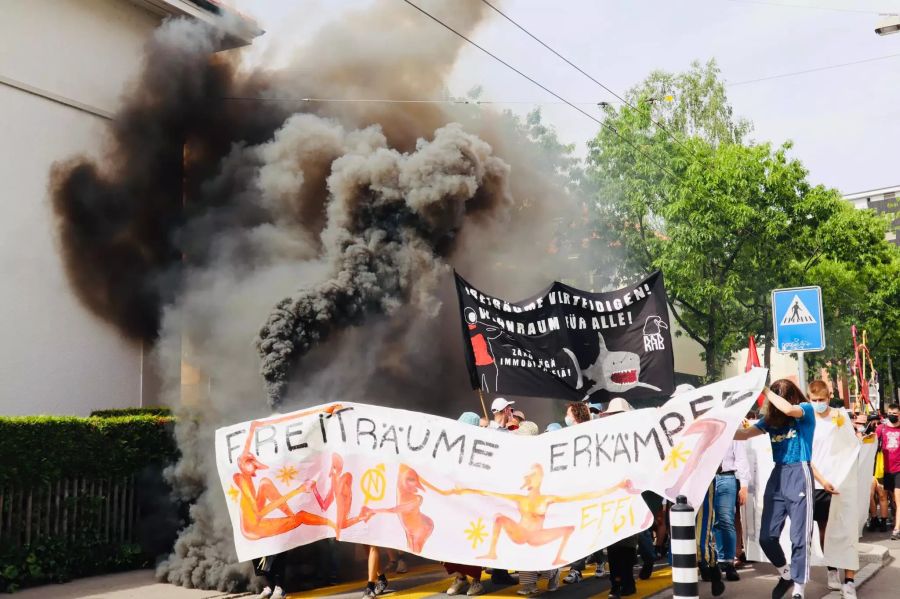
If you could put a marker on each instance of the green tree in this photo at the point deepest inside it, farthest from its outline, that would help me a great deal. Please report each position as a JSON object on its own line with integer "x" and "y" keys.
{"x": 725, "y": 219}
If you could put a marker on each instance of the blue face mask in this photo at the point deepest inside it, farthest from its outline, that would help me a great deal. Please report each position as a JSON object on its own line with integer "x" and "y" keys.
{"x": 819, "y": 406}
{"x": 569, "y": 420}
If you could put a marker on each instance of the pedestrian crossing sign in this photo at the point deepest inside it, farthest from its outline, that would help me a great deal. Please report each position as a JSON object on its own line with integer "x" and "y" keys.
{"x": 797, "y": 315}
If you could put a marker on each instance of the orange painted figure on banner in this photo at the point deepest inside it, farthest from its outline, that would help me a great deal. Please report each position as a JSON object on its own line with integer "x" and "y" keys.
{"x": 257, "y": 502}
{"x": 533, "y": 506}
{"x": 418, "y": 526}
{"x": 709, "y": 430}
{"x": 341, "y": 493}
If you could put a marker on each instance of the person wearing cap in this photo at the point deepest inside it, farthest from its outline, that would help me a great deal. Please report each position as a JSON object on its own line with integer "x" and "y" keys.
{"x": 518, "y": 417}
{"x": 502, "y": 410}
{"x": 460, "y": 572}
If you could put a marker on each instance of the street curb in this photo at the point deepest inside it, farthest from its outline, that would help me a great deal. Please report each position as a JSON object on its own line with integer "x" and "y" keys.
{"x": 872, "y": 558}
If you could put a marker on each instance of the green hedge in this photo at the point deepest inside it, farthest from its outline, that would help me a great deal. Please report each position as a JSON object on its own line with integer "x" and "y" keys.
{"x": 131, "y": 412}
{"x": 39, "y": 449}
{"x": 35, "y": 450}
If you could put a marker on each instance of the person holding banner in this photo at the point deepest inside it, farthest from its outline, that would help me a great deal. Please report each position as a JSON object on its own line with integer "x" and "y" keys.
{"x": 833, "y": 431}
{"x": 790, "y": 422}
{"x": 271, "y": 568}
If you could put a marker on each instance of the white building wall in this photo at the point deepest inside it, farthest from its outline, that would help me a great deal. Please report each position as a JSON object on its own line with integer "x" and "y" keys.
{"x": 56, "y": 357}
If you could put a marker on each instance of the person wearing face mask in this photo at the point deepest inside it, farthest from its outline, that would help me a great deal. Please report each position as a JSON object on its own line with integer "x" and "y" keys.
{"x": 833, "y": 430}
{"x": 888, "y": 435}
{"x": 578, "y": 413}
{"x": 502, "y": 409}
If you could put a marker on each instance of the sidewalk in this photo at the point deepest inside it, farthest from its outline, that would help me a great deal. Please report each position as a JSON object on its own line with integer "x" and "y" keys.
{"x": 878, "y": 577}
{"x": 137, "y": 584}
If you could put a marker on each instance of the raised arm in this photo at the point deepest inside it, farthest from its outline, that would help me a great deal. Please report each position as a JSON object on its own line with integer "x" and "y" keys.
{"x": 744, "y": 433}
{"x": 783, "y": 405}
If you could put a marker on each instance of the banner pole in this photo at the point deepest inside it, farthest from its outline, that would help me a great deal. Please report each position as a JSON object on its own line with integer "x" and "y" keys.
{"x": 483, "y": 406}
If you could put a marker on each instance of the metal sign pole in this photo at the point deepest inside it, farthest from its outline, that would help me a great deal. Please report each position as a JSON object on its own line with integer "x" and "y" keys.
{"x": 801, "y": 371}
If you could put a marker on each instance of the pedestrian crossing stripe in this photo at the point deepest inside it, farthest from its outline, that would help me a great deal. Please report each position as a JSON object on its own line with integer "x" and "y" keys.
{"x": 797, "y": 313}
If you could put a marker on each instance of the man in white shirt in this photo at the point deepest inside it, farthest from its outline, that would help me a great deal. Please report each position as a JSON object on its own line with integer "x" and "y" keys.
{"x": 731, "y": 488}
{"x": 830, "y": 423}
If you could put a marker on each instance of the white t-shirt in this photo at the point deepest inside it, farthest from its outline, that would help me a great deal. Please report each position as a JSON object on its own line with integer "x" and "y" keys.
{"x": 833, "y": 435}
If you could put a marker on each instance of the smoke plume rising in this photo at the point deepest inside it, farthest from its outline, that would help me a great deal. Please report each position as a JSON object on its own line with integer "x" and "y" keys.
{"x": 227, "y": 222}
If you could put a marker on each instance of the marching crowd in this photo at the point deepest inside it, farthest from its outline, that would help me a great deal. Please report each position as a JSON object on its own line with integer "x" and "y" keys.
{"x": 801, "y": 431}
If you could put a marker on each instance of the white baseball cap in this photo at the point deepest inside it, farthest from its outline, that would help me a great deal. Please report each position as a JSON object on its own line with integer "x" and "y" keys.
{"x": 683, "y": 388}
{"x": 499, "y": 404}
{"x": 618, "y": 404}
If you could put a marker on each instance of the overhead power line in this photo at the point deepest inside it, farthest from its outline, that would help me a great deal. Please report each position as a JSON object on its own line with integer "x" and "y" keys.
{"x": 808, "y": 7}
{"x": 545, "y": 88}
{"x": 814, "y": 70}
{"x": 580, "y": 70}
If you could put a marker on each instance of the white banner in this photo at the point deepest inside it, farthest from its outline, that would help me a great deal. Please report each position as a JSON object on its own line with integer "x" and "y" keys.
{"x": 849, "y": 470}
{"x": 453, "y": 492}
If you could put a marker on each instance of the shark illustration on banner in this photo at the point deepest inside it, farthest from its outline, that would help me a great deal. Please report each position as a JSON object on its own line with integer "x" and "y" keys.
{"x": 453, "y": 492}
{"x": 570, "y": 344}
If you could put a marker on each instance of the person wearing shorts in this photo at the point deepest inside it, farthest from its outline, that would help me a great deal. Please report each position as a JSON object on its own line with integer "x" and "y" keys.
{"x": 833, "y": 429}
{"x": 889, "y": 440}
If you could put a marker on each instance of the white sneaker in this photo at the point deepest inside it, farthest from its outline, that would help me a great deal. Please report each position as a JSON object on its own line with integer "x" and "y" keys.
{"x": 574, "y": 576}
{"x": 834, "y": 580}
{"x": 278, "y": 593}
{"x": 601, "y": 571}
{"x": 529, "y": 591}
{"x": 265, "y": 594}
{"x": 460, "y": 584}
{"x": 476, "y": 588}
{"x": 401, "y": 567}
{"x": 848, "y": 590}
{"x": 553, "y": 583}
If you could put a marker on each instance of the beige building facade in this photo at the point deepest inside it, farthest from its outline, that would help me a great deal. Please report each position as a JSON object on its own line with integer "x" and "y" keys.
{"x": 63, "y": 66}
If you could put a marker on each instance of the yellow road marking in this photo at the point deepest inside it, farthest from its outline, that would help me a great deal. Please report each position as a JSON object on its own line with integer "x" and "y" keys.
{"x": 661, "y": 579}
{"x": 346, "y": 587}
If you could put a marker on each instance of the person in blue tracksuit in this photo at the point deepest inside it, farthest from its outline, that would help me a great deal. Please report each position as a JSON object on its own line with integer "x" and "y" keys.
{"x": 790, "y": 422}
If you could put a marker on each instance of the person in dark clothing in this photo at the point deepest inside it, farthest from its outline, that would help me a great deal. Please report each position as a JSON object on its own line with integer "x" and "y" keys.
{"x": 271, "y": 568}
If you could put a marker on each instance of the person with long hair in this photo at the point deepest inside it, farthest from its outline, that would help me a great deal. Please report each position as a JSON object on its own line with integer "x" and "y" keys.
{"x": 790, "y": 422}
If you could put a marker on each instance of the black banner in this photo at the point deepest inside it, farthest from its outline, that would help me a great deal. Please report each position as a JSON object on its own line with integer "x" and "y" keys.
{"x": 570, "y": 344}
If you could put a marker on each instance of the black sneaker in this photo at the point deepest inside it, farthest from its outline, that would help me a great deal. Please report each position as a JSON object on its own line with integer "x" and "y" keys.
{"x": 646, "y": 570}
{"x": 502, "y": 577}
{"x": 784, "y": 584}
{"x": 882, "y": 525}
{"x": 717, "y": 585}
{"x": 704, "y": 572}
{"x": 729, "y": 572}
{"x": 381, "y": 584}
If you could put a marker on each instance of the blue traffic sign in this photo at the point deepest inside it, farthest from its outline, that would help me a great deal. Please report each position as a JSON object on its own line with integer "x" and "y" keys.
{"x": 798, "y": 319}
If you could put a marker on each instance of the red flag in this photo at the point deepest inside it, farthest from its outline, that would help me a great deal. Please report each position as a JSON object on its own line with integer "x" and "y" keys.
{"x": 753, "y": 362}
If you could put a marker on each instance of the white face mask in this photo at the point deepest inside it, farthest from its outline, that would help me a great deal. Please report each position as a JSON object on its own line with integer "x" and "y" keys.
{"x": 820, "y": 406}
{"x": 569, "y": 420}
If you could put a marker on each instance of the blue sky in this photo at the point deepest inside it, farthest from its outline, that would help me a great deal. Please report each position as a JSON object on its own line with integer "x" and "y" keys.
{"x": 844, "y": 122}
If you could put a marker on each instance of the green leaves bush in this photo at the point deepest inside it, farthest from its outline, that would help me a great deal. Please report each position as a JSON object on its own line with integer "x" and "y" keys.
{"x": 40, "y": 449}
{"x": 36, "y": 450}
{"x": 132, "y": 412}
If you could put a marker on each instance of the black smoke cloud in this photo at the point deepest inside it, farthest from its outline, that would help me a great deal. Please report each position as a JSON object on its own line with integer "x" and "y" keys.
{"x": 300, "y": 252}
